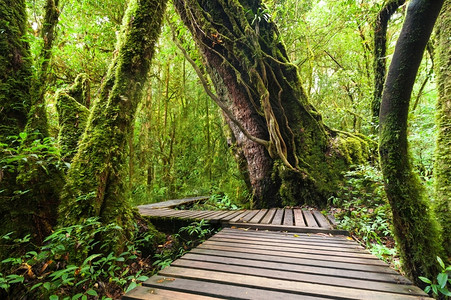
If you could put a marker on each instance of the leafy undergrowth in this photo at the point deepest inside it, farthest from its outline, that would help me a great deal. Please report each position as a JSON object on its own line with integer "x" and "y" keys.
{"x": 72, "y": 264}
{"x": 362, "y": 208}
{"x": 215, "y": 202}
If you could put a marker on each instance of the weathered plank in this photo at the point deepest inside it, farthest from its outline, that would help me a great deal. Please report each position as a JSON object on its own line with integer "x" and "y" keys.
{"x": 259, "y": 216}
{"x": 283, "y": 274}
{"x": 280, "y": 285}
{"x": 249, "y": 216}
{"x": 175, "y": 202}
{"x": 288, "y": 217}
{"x": 295, "y": 229}
{"x": 239, "y": 217}
{"x": 321, "y": 220}
{"x": 269, "y": 216}
{"x": 269, "y": 263}
{"x": 233, "y": 215}
{"x": 298, "y": 218}
{"x": 309, "y": 219}
{"x": 223, "y": 290}
{"x": 151, "y": 293}
{"x": 278, "y": 217}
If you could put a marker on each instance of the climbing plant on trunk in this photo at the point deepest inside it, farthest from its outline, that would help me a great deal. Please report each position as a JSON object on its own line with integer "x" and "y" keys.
{"x": 95, "y": 184}
{"x": 416, "y": 232}
{"x": 442, "y": 167}
{"x": 290, "y": 156}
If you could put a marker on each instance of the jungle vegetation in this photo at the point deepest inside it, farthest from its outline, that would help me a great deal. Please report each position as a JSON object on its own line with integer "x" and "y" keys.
{"x": 340, "y": 105}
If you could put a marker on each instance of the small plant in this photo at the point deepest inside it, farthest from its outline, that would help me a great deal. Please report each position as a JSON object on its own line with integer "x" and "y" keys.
{"x": 443, "y": 281}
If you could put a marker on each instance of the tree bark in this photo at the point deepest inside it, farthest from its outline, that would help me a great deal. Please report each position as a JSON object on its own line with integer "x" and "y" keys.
{"x": 442, "y": 167}
{"x": 96, "y": 179}
{"x": 415, "y": 230}
{"x": 290, "y": 155}
{"x": 380, "y": 52}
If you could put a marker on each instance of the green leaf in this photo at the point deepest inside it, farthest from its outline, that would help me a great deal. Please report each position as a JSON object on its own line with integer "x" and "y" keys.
{"x": 47, "y": 286}
{"x": 442, "y": 278}
{"x": 53, "y": 297}
{"x": 435, "y": 289}
{"x": 36, "y": 286}
{"x": 424, "y": 279}
{"x": 131, "y": 287}
{"x": 77, "y": 296}
{"x": 92, "y": 292}
{"x": 427, "y": 289}
{"x": 440, "y": 261}
{"x": 445, "y": 291}
{"x": 142, "y": 278}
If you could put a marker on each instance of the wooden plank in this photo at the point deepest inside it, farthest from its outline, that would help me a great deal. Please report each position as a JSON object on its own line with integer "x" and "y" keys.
{"x": 293, "y": 246}
{"x": 293, "y": 229}
{"x": 214, "y": 215}
{"x": 288, "y": 235}
{"x": 298, "y": 218}
{"x": 268, "y": 263}
{"x": 307, "y": 255}
{"x": 269, "y": 216}
{"x": 300, "y": 260}
{"x": 175, "y": 202}
{"x": 288, "y": 217}
{"x": 321, "y": 220}
{"x": 309, "y": 219}
{"x": 239, "y": 217}
{"x": 332, "y": 220}
{"x": 227, "y": 214}
{"x": 151, "y": 293}
{"x": 223, "y": 290}
{"x": 369, "y": 258}
{"x": 234, "y": 214}
{"x": 259, "y": 216}
{"x": 281, "y": 285}
{"x": 294, "y": 239}
{"x": 301, "y": 277}
{"x": 277, "y": 220}
{"x": 249, "y": 216}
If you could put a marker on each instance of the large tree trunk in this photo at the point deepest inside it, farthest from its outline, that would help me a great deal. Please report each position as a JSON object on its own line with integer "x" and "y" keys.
{"x": 15, "y": 102}
{"x": 290, "y": 156}
{"x": 31, "y": 183}
{"x": 415, "y": 230}
{"x": 95, "y": 185}
{"x": 380, "y": 52}
{"x": 442, "y": 166}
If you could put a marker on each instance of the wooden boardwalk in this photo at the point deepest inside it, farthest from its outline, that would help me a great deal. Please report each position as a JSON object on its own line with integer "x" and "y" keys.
{"x": 283, "y": 219}
{"x": 256, "y": 264}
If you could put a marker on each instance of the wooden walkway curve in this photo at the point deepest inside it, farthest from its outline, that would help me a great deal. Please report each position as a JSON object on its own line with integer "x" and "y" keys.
{"x": 242, "y": 261}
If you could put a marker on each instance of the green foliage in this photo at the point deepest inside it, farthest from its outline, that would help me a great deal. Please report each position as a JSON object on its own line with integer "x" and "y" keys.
{"x": 187, "y": 238}
{"x": 364, "y": 210}
{"x": 72, "y": 265}
{"x": 443, "y": 281}
{"x": 217, "y": 202}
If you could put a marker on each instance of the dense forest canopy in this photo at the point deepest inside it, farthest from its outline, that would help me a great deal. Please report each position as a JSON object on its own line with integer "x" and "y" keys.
{"x": 259, "y": 103}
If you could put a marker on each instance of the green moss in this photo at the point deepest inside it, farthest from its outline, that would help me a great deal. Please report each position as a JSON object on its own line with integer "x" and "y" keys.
{"x": 95, "y": 185}
{"x": 72, "y": 119}
{"x": 442, "y": 167}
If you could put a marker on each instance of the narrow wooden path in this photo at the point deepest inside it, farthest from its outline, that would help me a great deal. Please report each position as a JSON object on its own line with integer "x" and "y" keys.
{"x": 256, "y": 264}
{"x": 283, "y": 219}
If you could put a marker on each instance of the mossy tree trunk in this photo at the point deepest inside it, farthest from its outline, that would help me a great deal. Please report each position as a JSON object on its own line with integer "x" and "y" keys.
{"x": 416, "y": 232}
{"x": 380, "y": 52}
{"x": 29, "y": 192}
{"x": 15, "y": 102}
{"x": 290, "y": 156}
{"x": 442, "y": 167}
{"x": 95, "y": 184}
{"x": 73, "y": 112}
